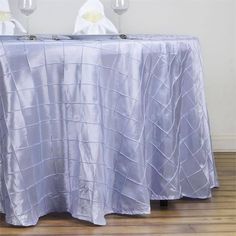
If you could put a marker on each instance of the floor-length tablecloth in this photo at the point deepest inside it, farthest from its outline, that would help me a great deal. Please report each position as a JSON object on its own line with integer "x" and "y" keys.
{"x": 101, "y": 126}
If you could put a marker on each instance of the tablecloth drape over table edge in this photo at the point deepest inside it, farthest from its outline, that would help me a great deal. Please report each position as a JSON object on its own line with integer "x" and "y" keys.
{"x": 93, "y": 127}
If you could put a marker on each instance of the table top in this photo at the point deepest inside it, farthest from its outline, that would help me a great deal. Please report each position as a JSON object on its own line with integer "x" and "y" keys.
{"x": 133, "y": 47}
{"x": 100, "y": 37}
{"x": 163, "y": 43}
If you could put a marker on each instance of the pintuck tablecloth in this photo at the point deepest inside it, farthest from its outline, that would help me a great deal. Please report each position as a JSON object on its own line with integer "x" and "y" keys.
{"x": 98, "y": 126}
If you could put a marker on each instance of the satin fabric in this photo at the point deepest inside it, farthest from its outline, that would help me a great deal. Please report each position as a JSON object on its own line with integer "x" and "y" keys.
{"x": 101, "y": 126}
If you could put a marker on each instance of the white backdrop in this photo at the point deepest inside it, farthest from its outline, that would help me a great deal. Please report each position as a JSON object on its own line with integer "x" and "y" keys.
{"x": 213, "y": 21}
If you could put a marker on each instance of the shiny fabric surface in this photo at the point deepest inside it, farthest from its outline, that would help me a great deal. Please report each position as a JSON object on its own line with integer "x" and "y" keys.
{"x": 93, "y": 126}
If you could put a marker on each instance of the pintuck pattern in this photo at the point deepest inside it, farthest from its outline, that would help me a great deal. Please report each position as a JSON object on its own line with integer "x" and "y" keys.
{"x": 93, "y": 127}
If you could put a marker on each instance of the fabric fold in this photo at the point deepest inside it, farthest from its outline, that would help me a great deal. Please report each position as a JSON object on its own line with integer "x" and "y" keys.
{"x": 93, "y": 127}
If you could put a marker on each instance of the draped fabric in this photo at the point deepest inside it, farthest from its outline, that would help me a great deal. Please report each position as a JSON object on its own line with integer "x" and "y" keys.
{"x": 99, "y": 126}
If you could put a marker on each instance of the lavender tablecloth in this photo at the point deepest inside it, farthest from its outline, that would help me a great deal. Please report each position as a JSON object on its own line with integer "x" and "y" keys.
{"x": 98, "y": 126}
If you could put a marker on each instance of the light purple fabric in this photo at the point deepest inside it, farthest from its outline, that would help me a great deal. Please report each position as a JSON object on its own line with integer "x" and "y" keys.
{"x": 101, "y": 126}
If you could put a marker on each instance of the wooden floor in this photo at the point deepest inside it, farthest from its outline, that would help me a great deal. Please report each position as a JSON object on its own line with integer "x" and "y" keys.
{"x": 213, "y": 217}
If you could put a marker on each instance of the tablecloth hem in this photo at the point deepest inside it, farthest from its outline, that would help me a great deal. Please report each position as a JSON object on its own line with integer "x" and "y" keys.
{"x": 109, "y": 212}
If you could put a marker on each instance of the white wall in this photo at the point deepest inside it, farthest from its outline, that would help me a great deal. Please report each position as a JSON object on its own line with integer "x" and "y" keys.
{"x": 213, "y": 21}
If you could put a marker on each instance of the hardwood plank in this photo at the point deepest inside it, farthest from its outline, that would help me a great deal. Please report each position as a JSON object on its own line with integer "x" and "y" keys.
{"x": 224, "y": 193}
{"x": 132, "y": 229}
{"x": 196, "y": 212}
{"x": 102, "y": 230}
{"x": 126, "y": 221}
{"x": 202, "y": 228}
